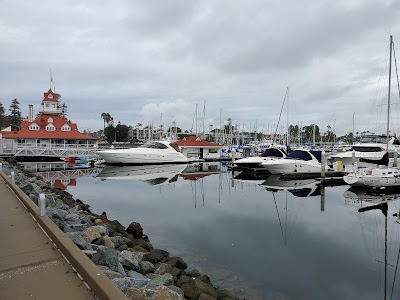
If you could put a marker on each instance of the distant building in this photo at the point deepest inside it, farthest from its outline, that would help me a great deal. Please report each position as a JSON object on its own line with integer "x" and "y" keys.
{"x": 49, "y": 128}
{"x": 195, "y": 147}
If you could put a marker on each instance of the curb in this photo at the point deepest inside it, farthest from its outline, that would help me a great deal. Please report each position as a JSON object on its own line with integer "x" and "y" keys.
{"x": 100, "y": 284}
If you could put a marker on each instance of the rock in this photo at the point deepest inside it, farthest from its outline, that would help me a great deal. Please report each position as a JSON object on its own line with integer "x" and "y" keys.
{"x": 111, "y": 274}
{"x": 127, "y": 282}
{"x": 101, "y": 229}
{"x": 176, "y": 273}
{"x": 74, "y": 227}
{"x": 121, "y": 270}
{"x": 146, "y": 267}
{"x": 106, "y": 257}
{"x": 135, "y": 229}
{"x": 182, "y": 280}
{"x": 163, "y": 268}
{"x": 177, "y": 262}
{"x": 139, "y": 249}
{"x": 89, "y": 253}
{"x": 92, "y": 234}
{"x": 228, "y": 294}
{"x": 206, "y": 297}
{"x": 60, "y": 204}
{"x": 155, "y": 256}
{"x": 75, "y": 209}
{"x": 56, "y": 215}
{"x": 194, "y": 287}
{"x": 119, "y": 241}
{"x": 106, "y": 241}
{"x": 193, "y": 273}
{"x": 114, "y": 226}
{"x": 73, "y": 219}
{"x": 159, "y": 280}
{"x": 80, "y": 240}
{"x": 165, "y": 293}
{"x": 98, "y": 222}
{"x": 94, "y": 247}
{"x": 122, "y": 248}
{"x": 128, "y": 260}
{"x": 142, "y": 243}
{"x": 135, "y": 294}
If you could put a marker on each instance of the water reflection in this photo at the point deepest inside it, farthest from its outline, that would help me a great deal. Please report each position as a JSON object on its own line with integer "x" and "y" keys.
{"x": 60, "y": 174}
{"x": 384, "y": 256}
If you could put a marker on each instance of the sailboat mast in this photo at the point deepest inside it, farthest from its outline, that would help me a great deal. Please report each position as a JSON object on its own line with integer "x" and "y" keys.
{"x": 388, "y": 109}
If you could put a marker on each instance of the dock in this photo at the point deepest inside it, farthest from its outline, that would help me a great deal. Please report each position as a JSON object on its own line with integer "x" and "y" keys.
{"x": 38, "y": 261}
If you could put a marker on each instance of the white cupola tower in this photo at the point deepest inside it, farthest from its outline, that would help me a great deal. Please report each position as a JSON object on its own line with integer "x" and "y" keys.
{"x": 50, "y": 103}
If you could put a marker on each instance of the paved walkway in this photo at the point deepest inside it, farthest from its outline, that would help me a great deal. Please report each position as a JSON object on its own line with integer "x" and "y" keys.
{"x": 30, "y": 265}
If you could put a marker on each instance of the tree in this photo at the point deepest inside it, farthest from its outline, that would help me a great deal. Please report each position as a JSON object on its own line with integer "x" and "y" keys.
{"x": 64, "y": 109}
{"x": 107, "y": 119}
{"x": 109, "y": 132}
{"x": 15, "y": 115}
{"x": 2, "y": 116}
{"x": 122, "y": 132}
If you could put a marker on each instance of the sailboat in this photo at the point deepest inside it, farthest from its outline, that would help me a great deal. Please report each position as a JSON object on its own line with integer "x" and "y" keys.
{"x": 381, "y": 177}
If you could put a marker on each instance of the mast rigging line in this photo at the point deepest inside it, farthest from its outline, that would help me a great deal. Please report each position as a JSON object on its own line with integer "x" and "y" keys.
{"x": 280, "y": 114}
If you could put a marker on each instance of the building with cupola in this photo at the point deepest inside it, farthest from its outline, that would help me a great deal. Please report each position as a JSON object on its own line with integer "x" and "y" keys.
{"x": 51, "y": 128}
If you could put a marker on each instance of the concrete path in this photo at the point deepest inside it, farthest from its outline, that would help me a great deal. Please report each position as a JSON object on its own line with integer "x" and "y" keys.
{"x": 30, "y": 265}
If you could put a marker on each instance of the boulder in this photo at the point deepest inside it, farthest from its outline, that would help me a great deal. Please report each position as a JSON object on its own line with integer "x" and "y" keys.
{"x": 146, "y": 267}
{"x": 128, "y": 260}
{"x": 177, "y": 262}
{"x": 195, "y": 287}
{"x": 73, "y": 219}
{"x": 106, "y": 257}
{"x": 135, "y": 294}
{"x": 155, "y": 256}
{"x": 182, "y": 280}
{"x": 206, "y": 297}
{"x": 89, "y": 253}
{"x": 101, "y": 229}
{"x": 129, "y": 282}
{"x": 92, "y": 234}
{"x": 135, "y": 229}
{"x": 228, "y": 294}
{"x": 163, "y": 268}
{"x": 159, "y": 280}
{"x": 80, "y": 240}
{"x": 114, "y": 226}
{"x": 74, "y": 227}
{"x": 106, "y": 241}
{"x": 165, "y": 293}
{"x": 111, "y": 274}
{"x": 119, "y": 241}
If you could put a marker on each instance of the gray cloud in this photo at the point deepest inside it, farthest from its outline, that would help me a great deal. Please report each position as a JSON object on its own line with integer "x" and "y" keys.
{"x": 239, "y": 57}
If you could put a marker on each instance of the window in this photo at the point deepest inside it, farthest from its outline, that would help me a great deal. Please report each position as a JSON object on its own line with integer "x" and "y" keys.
{"x": 50, "y": 120}
{"x": 50, "y": 127}
{"x": 33, "y": 126}
{"x": 65, "y": 128}
{"x": 47, "y": 105}
{"x": 50, "y": 96}
{"x": 212, "y": 150}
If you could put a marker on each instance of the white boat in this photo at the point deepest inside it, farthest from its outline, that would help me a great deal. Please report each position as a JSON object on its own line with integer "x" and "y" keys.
{"x": 298, "y": 161}
{"x": 255, "y": 161}
{"x": 369, "y": 154}
{"x": 374, "y": 177}
{"x": 154, "y": 174}
{"x": 358, "y": 194}
{"x": 380, "y": 177}
{"x": 152, "y": 152}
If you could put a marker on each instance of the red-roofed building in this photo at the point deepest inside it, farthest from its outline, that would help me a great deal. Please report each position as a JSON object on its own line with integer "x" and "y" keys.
{"x": 49, "y": 128}
{"x": 194, "y": 147}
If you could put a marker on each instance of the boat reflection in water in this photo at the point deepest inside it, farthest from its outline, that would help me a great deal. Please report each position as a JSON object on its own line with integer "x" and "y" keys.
{"x": 385, "y": 204}
{"x": 153, "y": 174}
{"x": 299, "y": 188}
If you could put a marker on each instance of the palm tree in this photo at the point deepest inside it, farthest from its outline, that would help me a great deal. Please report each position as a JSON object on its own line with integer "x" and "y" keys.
{"x": 106, "y": 118}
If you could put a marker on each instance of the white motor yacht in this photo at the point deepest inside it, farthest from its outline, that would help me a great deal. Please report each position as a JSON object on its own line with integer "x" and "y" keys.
{"x": 298, "y": 161}
{"x": 255, "y": 161}
{"x": 152, "y": 152}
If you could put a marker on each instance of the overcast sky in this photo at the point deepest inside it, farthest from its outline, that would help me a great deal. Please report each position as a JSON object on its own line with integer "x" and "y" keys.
{"x": 139, "y": 59}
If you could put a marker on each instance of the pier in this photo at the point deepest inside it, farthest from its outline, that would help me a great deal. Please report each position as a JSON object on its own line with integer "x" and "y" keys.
{"x": 38, "y": 261}
{"x": 10, "y": 148}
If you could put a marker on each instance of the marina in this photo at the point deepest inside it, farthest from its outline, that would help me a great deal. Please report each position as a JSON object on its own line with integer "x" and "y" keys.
{"x": 280, "y": 237}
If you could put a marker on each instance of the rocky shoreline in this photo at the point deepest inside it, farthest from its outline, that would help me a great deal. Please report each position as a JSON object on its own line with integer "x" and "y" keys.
{"x": 125, "y": 255}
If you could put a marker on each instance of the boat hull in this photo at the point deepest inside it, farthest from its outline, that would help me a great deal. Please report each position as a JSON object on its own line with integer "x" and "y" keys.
{"x": 286, "y": 166}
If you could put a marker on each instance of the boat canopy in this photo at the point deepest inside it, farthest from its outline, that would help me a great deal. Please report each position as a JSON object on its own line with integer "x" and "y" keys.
{"x": 154, "y": 145}
{"x": 299, "y": 154}
{"x": 272, "y": 152}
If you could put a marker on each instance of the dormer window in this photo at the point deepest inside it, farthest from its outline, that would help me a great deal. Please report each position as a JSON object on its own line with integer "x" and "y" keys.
{"x": 65, "y": 127}
{"x": 33, "y": 126}
{"x": 50, "y": 127}
{"x": 50, "y": 96}
{"x": 50, "y": 120}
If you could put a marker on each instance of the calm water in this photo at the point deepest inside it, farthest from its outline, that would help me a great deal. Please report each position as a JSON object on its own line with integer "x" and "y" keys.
{"x": 265, "y": 243}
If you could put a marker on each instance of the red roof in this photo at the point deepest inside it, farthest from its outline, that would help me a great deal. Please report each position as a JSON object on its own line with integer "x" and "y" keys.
{"x": 50, "y": 96}
{"x": 42, "y": 121}
{"x": 193, "y": 141}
